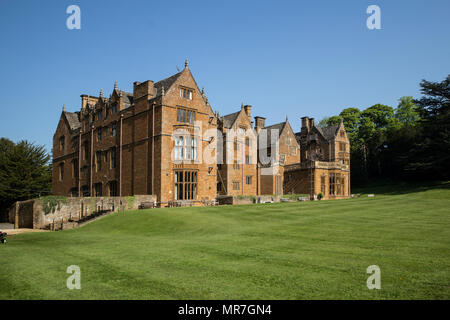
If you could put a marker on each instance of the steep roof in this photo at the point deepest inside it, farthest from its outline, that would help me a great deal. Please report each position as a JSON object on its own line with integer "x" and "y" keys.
{"x": 229, "y": 119}
{"x": 73, "y": 118}
{"x": 167, "y": 82}
{"x": 279, "y": 126}
{"x": 328, "y": 132}
{"x": 127, "y": 97}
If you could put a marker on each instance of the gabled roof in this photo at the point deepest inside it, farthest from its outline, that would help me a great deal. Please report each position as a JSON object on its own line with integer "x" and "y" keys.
{"x": 167, "y": 82}
{"x": 73, "y": 119}
{"x": 328, "y": 132}
{"x": 127, "y": 97}
{"x": 279, "y": 126}
{"x": 229, "y": 119}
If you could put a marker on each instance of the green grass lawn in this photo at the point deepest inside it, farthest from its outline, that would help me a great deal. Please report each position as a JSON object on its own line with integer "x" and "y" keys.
{"x": 307, "y": 250}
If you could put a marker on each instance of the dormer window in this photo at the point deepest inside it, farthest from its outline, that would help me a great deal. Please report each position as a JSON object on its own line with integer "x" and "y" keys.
{"x": 186, "y": 93}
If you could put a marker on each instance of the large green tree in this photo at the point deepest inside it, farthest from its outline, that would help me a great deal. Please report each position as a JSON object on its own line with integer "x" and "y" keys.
{"x": 431, "y": 153}
{"x": 25, "y": 172}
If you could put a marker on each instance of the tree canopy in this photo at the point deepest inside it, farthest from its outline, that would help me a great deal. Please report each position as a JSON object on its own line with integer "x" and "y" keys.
{"x": 25, "y": 172}
{"x": 411, "y": 141}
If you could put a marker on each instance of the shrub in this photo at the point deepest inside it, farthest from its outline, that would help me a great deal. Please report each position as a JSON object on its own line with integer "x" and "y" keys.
{"x": 320, "y": 196}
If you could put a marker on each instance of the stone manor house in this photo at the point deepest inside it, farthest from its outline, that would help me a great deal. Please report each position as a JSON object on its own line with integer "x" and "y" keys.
{"x": 152, "y": 141}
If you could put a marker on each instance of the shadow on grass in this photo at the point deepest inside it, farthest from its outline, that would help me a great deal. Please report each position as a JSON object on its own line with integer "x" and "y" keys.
{"x": 396, "y": 187}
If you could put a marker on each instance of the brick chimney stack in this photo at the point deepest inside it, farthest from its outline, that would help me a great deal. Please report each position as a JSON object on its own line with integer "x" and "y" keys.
{"x": 305, "y": 125}
{"x": 248, "y": 112}
{"x": 260, "y": 122}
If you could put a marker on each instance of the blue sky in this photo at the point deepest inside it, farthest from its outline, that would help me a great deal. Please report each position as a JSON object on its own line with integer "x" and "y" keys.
{"x": 292, "y": 58}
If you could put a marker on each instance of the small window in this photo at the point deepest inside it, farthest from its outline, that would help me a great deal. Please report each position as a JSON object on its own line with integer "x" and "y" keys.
{"x": 186, "y": 93}
{"x": 62, "y": 143}
{"x": 98, "y": 161}
{"x": 236, "y": 165}
{"x": 322, "y": 184}
{"x": 288, "y": 140}
{"x": 248, "y": 159}
{"x": 113, "y": 158}
{"x": 248, "y": 142}
{"x": 113, "y": 189}
{"x": 236, "y": 146}
{"x": 98, "y": 190}
{"x": 99, "y": 134}
{"x": 75, "y": 168}
{"x": 61, "y": 172}
{"x": 114, "y": 129}
{"x": 86, "y": 150}
{"x": 282, "y": 158}
{"x": 99, "y": 114}
{"x": 248, "y": 179}
{"x": 236, "y": 186}
{"x": 114, "y": 108}
{"x": 342, "y": 134}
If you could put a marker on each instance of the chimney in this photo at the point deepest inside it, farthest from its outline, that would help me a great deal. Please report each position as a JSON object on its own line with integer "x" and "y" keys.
{"x": 260, "y": 122}
{"x": 84, "y": 100}
{"x": 143, "y": 89}
{"x": 305, "y": 125}
{"x": 311, "y": 123}
{"x": 248, "y": 111}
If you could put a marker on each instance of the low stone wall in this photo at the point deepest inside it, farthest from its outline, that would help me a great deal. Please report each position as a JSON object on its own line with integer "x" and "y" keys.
{"x": 46, "y": 212}
{"x": 247, "y": 199}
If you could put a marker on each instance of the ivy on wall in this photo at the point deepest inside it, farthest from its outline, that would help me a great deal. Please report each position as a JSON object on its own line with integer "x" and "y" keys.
{"x": 52, "y": 203}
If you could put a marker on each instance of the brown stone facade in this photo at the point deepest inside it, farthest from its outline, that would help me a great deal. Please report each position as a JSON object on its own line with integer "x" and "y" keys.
{"x": 165, "y": 140}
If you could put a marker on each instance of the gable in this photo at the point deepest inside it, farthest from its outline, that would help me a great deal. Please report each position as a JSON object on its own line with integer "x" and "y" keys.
{"x": 185, "y": 79}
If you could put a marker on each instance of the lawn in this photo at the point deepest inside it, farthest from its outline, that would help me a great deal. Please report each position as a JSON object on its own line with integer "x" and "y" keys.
{"x": 301, "y": 250}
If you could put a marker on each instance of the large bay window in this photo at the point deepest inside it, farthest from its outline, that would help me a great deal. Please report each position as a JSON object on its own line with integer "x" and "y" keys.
{"x": 186, "y": 148}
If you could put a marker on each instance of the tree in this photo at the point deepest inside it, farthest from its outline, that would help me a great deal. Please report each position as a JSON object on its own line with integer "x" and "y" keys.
{"x": 407, "y": 111}
{"x": 380, "y": 114}
{"x": 25, "y": 172}
{"x": 431, "y": 154}
{"x": 351, "y": 118}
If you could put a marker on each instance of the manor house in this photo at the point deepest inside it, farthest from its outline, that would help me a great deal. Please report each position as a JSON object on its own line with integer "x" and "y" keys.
{"x": 154, "y": 141}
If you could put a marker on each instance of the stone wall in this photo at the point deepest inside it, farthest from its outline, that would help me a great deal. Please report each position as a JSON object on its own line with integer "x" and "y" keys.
{"x": 48, "y": 212}
{"x": 247, "y": 199}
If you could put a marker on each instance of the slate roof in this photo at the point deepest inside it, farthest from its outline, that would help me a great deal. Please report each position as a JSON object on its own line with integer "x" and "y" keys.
{"x": 166, "y": 83}
{"x": 127, "y": 97}
{"x": 279, "y": 126}
{"x": 229, "y": 119}
{"x": 328, "y": 132}
{"x": 73, "y": 118}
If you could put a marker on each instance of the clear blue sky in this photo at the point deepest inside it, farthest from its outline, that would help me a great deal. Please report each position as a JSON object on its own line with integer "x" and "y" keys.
{"x": 292, "y": 58}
